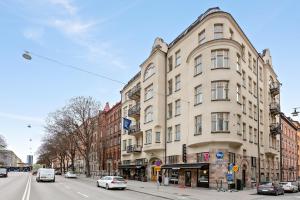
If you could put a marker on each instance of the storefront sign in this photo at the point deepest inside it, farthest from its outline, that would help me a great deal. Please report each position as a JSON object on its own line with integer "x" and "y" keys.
{"x": 157, "y": 168}
{"x": 206, "y": 156}
{"x": 219, "y": 155}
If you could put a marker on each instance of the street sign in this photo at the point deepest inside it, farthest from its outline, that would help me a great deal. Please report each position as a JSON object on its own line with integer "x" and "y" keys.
{"x": 235, "y": 168}
{"x": 158, "y": 163}
{"x": 229, "y": 177}
{"x": 219, "y": 155}
{"x": 184, "y": 153}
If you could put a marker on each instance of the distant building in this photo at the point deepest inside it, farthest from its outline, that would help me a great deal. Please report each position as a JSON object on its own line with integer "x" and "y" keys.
{"x": 8, "y": 158}
{"x": 29, "y": 159}
{"x": 297, "y": 124}
{"x": 289, "y": 149}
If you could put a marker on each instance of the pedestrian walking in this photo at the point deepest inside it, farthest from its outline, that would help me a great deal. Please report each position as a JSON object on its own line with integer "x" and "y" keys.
{"x": 159, "y": 179}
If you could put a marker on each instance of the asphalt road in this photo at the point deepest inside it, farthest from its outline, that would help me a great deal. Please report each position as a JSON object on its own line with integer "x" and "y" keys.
{"x": 22, "y": 186}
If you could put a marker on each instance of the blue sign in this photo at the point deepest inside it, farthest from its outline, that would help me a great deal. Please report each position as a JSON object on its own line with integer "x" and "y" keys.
{"x": 126, "y": 123}
{"x": 229, "y": 177}
{"x": 230, "y": 166}
{"x": 220, "y": 155}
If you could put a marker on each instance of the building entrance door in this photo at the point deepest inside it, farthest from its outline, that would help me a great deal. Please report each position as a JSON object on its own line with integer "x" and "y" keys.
{"x": 188, "y": 178}
{"x": 244, "y": 178}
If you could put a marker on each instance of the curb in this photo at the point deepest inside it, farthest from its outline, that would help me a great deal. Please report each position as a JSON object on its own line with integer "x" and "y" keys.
{"x": 154, "y": 195}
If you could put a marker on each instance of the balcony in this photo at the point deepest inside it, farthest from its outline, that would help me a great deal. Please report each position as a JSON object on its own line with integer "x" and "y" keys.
{"x": 274, "y": 88}
{"x": 275, "y": 128}
{"x": 274, "y": 108}
{"x": 134, "y": 130}
{"x": 134, "y": 111}
{"x": 134, "y": 148}
{"x": 135, "y": 92}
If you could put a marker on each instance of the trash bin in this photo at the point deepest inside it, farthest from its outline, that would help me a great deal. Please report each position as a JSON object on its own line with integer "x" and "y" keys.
{"x": 239, "y": 184}
{"x": 166, "y": 181}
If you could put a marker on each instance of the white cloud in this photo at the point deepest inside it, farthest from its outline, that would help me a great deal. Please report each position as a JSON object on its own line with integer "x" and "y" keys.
{"x": 21, "y": 117}
{"x": 72, "y": 27}
{"x": 66, "y": 5}
{"x": 34, "y": 34}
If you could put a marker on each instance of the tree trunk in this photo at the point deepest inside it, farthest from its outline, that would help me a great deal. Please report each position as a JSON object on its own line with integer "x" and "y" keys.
{"x": 87, "y": 166}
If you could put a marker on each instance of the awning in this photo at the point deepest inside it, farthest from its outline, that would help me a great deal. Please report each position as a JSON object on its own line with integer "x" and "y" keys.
{"x": 131, "y": 166}
{"x": 186, "y": 166}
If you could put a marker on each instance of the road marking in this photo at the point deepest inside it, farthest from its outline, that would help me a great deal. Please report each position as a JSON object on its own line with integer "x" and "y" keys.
{"x": 26, "y": 193}
{"x": 86, "y": 196}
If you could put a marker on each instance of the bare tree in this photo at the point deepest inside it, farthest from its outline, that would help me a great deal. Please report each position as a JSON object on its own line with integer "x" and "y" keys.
{"x": 3, "y": 143}
{"x": 81, "y": 114}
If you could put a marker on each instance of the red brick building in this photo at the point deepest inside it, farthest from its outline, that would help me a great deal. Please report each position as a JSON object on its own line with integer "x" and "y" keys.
{"x": 289, "y": 149}
{"x": 108, "y": 139}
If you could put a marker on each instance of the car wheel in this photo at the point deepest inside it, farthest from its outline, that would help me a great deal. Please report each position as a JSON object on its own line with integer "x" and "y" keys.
{"x": 107, "y": 186}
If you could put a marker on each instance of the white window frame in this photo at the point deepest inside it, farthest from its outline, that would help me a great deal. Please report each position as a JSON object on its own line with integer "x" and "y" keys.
{"x": 148, "y": 92}
{"x": 157, "y": 137}
{"x": 218, "y": 31}
{"x": 177, "y": 132}
{"x": 219, "y": 90}
{"x": 148, "y": 135}
{"x": 198, "y": 125}
{"x": 239, "y": 124}
{"x": 201, "y": 37}
{"x": 149, "y": 71}
{"x": 177, "y": 58}
{"x": 149, "y": 114}
{"x": 220, "y": 59}
{"x": 169, "y": 134}
{"x": 177, "y": 82}
{"x": 198, "y": 95}
{"x": 220, "y": 122}
{"x": 238, "y": 63}
{"x": 170, "y": 110}
{"x": 198, "y": 65}
{"x": 177, "y": 107}
{"x": 238, "y": 93}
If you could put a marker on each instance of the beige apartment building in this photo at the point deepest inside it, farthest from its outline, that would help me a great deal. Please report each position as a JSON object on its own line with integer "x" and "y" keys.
{"x": 202, "y": 106}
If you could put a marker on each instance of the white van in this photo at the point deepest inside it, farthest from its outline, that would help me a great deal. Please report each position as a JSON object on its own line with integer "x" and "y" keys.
{"x": 45, "y": 174}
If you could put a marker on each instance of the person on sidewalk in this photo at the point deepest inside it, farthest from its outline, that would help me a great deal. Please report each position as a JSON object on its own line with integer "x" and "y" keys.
{"x": 159, "y": 179}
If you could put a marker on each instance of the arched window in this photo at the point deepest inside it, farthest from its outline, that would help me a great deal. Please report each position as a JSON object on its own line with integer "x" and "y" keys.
{"x": 149, "y": 71}
{"x": 149, "y": 114}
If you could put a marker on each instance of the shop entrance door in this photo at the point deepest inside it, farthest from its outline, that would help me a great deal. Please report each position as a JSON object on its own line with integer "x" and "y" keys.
{"x": 188, "y": 178}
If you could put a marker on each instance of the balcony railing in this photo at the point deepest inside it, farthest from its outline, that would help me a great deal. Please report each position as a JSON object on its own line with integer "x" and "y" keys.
{"x": 274, "y": 108}
{"x": 274, "y": 88}
{"x": 275, "y": 128}
{"x": 134, "y": 148}
{"x": 135, "y": 92}
{"x": 134, "y": 111}
{"x": 134, "y": 130}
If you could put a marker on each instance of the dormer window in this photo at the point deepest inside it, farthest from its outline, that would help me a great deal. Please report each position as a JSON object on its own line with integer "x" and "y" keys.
{"x": 218, "y": 31}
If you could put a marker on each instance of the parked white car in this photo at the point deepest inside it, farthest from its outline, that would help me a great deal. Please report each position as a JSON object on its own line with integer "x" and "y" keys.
{"x": 289, "y": 187}
{"x": 109, "y": 182}
{"x": 45, "y": 174}
{"x": 70, "y": 175}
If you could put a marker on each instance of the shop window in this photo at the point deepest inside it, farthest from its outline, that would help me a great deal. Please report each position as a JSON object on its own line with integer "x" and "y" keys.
{"x": 203, "y": 157}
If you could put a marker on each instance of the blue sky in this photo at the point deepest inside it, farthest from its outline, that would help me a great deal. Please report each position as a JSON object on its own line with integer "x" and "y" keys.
{"x": 113, "y": 38}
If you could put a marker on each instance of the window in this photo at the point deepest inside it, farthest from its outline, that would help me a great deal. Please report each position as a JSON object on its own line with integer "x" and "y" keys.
{"x": 203, "y": 157}
{"x": 129, "y": 142}
{"x": 198, "y": 95}
{"x": 177, "y": 107}
{"x": 170, "y": 110}
{"x": 231, "y": 157}
{"x": 260, "y": 95}
{"x": 177, "y": 132}
{"x": 250, "y": 134}
{"x": 201, "y": 37}
{"x": 148, "y": 114}
{"x": 244, "y": 105}
{"x": 198, "y": 65}
{"x": 177, "y": 82}
{"x": 238, "y": 93}
{"x": 255, "y": 112}
{"x": 253, "y": 161}
{"x": 198, "y": 125}
{"x": 169, "y": 135}
{"x": 261, "y": 140}
{"x": 255, "y": 136}
{"x": 218, "y": 31}
{"x": 219, "y": 59}
{"x": 170, "y": 86}
{"x": 124, "y": 145}
{"x": 149, "y": 71}
{"x": 172, "y": 159}
{"x": 239, "y": 124}
{"x": 250, "y": 109}
{"x": 177, "y": 58}
{"x": 244, "y": 78}
{"x": 238, "y": 63}
{"x": 148, "y": 136}
{"x": 219, "y": 122}
{"x": 231, "y": 34}
{"x": 261, "y": 116}
{"x": 254, "y": 66}
{"x": 170, "y": 61}
{"x": 254, "y": 89}
{"x": 249, "y": 61}
{"x": 219, "y": 90}
{"x": 125, "y": 112}
{"x": 260, "y": 74}
{"x": 149, "y": 92}
{"x": 244, "y": 132}
{"x": 250, "y": 84}
{"x": 157, "y": 137}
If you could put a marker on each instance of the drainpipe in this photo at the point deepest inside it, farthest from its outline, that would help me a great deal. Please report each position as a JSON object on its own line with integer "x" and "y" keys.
{"x": 166, "y": 81}
{"x": 258, "y": 120}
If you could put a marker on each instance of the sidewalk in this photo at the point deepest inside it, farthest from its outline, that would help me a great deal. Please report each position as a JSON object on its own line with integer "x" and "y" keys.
{"x": 174, "y": 192}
